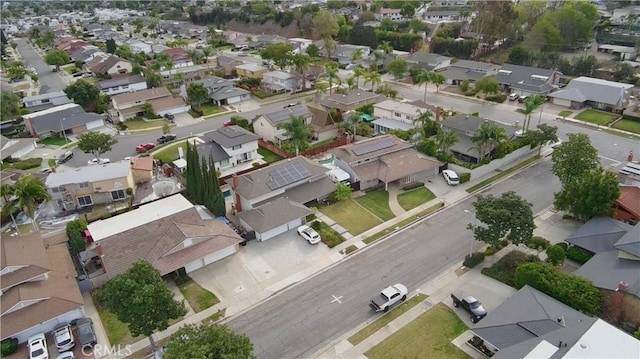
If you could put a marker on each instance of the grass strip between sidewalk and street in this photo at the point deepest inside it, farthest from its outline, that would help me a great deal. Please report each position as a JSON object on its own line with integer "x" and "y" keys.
{"x": 367, "y": 331}
{"x": 504, "y": 173}
{"x": 427, "y": 336}
{"x": 403, "y": 223}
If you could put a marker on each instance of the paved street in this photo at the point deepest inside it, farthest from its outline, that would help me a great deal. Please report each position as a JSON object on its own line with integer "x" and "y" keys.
{"x": 49, "y": 81}
{"x": 305, "y": 318}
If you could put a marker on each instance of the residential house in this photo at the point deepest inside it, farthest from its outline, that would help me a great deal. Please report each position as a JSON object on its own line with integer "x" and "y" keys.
{"x": 62, "y": 120}
{"x": 427, "y": 61}
{"x": 137, "y": 46}
{"x": 391, "y": 14}
{"x": 111, "y": 66}
{"x": 170, "y": 234}
{"x": 189, "y": 74}
{"x": 85, "y": 54}
{"x": 343, "y": 53}
{"x": 323, "y": 124}
{"x": 292, "y": 183}
{"x": 229, "y": 146}
{"x": 45, "y": 101}
{"x": 441, "y": 16}
{"x": 531, "y": 324}
{"x": 300, "y": 45}
{"x": 276, "y": 81}
{"x": 350, "y": 101}
{"x": 467, "y": 127}
{"x": 462, "y": 70}
{"x": 38, "y": 286}
{"x": 122, "y": 85}
{"x": 221, "y": 91}
{"x": 384, "y": 160}
{"x": 266, "y": 125}
{"x": 396, "y": 115}
{"x": 264, "y": 40}
{"x": 251, "y": 71}
{"x": 596, "y": 93}
{"x": 87, "y": 186}
{"x": 16, "y": 147}
{"x": 130, "y": 105}
{"x": 627, "y": 206}
{"x": 630, "y": 174}
{"x": 179, "y": 57}
{"x": 228, "y": 65}
{"x": 526, "y": 80}
{"x": 142, "y": 169}
{"x": 158, "y": 48}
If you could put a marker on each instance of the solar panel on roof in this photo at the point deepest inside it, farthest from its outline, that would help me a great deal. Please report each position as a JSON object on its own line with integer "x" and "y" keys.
{"x": 288, "y": 174}
{"x": 372, "y": 147}
{"x": 279, "y": 116}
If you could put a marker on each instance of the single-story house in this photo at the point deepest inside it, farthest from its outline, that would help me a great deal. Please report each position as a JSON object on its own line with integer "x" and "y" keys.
{"x": 586, "y": 91}
{"x": 427, "y": 61}
{"x": 129, "y": 105}
{"x": 65, "y": 119}
{"x": 466, "y": 127}
{"x": 228, "y": 65}
{"x": 45, "y": 101}
{"x": 274, "y": 218}
{"x": 16, "y": 147}
{"x": 350, "y": 100}
{"x": 122, "y": 84}
{"x": 382, "y": 160}
{"x": 462, "y": 70}
{"x": 170, "y": 233}
{"x": 266, "y": 125}
{"x": 531, "y": 324}
{"x": 38, "y": 286}
{"x": 221, "y": 91}
{"x": 527, "y": 80}
{"x": 344, "y": 53}
{"x": 441, "y": 16}
{"x": 629, "y": 174}
{"x": 112, "y": 65}
{"x": 169, "y": 106}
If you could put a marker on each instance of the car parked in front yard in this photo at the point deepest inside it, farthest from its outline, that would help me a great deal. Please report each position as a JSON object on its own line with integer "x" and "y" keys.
{"x": 451, "y": 177}
{"x": 309, "y": 234}
{"x": 37, "y": 345}
{"x": 86, "y": 333}
{"x": 63, "y": 337}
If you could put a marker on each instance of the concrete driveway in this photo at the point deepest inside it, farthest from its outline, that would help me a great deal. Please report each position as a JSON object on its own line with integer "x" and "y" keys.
{"x": 260, "y": 268}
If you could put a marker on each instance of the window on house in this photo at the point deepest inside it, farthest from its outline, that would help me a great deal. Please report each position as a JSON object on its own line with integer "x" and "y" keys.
{"x": 407, "y": 179}
{"x": 224, "y": 163}
{"x": 55, "y": 189}
{"x": 397, "y": 114}
{"x": 119, "y": 194}
{"x": 236, "y": 147}
{"x": 84, "y": 201}
{"x": 46, "y": 100}
{"x": 408, "y": 117}
{"x": 125, "y": 86}
{"x": 84, "y": 185}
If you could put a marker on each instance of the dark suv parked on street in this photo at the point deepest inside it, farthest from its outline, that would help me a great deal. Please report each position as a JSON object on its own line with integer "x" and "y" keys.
{"x": 64, "y": 157}
{"x": 166, "y": 138}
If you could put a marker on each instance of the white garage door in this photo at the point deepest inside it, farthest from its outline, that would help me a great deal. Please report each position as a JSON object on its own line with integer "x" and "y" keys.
{"x": 174, "y": 110}
{"x": 194, "y": 265}
{"x": 233, "y": 99}
{"x": 294, "y": 224}
{"x": 561, "y": 102}
{"x": 48, "y": 326}
{"x": 213, "y": 257}
{"x": 274, "y": 232}
{"x": 95, "y": 124}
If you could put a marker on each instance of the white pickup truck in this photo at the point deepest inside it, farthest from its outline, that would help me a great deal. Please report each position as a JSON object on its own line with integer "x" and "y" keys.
{"x": 388, "y": 297}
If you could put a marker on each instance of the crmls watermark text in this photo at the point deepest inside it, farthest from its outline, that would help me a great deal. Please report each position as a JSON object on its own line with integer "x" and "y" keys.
{"x": 113, "y": 351}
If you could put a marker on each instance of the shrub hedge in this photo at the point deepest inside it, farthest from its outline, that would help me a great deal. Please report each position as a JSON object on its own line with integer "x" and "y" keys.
{"x": 578, "y": 254}
{"x": 8, "y": 346}
{"x": 504, "y": 269}
{"x": 28, "y": 163}
{"x": 465, "y": 177}
{"x": 538, "y": 243}
{"x": 473, "y": 260}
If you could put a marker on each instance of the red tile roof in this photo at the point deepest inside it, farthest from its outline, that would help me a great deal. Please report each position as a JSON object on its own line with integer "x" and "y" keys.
{"x": 630, "y": 199}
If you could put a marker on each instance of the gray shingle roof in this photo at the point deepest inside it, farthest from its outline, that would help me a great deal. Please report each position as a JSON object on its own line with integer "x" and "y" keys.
{"x": 88, "y": 174}
{"x": 470, "y": 123}
{"x": 362, "y": 150}
{"x": 70, "y": 117}
{"x": 227, "y": 92}
{"x": 599, "y": 234}
{"x": 128, "y": 80}
{"x": 630, "y": 242}
{"x": 228, "y": 137}
{"x": 526, "y": 78}
{"x": 306, "y": 192}
{"x": 606, "y": 270}
{"x": 273, "y": 214}
{"x": 212, "y": 149}
{"x": 284, "y": 115}
{"x": 586, "y": 88}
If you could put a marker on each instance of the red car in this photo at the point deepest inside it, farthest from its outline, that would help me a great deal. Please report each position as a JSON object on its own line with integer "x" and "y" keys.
{"x": 145, "y": 147}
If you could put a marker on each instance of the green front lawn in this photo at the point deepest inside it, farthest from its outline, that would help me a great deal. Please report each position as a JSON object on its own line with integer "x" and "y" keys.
{"x": 595, "y": 117}
{"x": 428, "y": 336}
{"x": 208, "y": 110}
{"x": 140, "y": 124}
{"x": 329, "y": 236}
{"x": 351, "y": 216}
{"x": 628, "y": 125}
{"x": 199, "y": 298}
{"x": 377, "y": 202}
{"x": 170, "y": 153}
{"x": 54, "y": 141}
{"x": 565, "y": 113}
{"x": 374, "y": 237}
{"x": 411, "y": 199}
{"x": 267, "y": 155}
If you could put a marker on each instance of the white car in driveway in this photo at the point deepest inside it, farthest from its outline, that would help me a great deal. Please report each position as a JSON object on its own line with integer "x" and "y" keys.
{"x": 309, "y": 234}
{"x": 451, "y": 177}
{"x": 98, "y": 161}
{"x": 38, "y": 347}
{"x": 63, "y": 337}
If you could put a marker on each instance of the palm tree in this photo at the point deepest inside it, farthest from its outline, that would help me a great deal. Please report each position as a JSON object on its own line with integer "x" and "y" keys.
{"x": 29, "y": 192}
{"x": 374, "y": 78}
{"x": 359, "y": 72}
{"x": 385, "y": 47}
{"x": 356, "y": 56}
{"x": 488, "y": 135}
{"x": 301, "y": 63}
{"x": 445, "y": 139}
{"x": 195, "y": 56}
{"x": 298, "y": 131}
{"x": 351, "y": 83}
{"x": 424, "y": 77}
{"x": 179, "y": 77}
{"x": 531, "y": 104}
{"x": 207, "y": 51}
{"x": 331, "y": 74}
{"x": 6, "y": 192}
{"x": 352, "y": 121}
{"x": 162, "y": 62}
{"x": 321, "y": 88}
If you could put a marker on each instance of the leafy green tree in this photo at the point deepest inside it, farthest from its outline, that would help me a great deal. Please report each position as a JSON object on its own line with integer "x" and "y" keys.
{"x": 208, "y": 341}
{"x": 166, "y": 128}
{"x": 331, "y": 75}
{"x": 438, "y": 79}
{"x": 509, "y": 215}
{"x": 351, "y": 123}
{"x": 313, "y": 51}
{"x": 16, "y": 71}
{"x": 197, "y": 94}
{"x": 573, "y": 158}
{"x": 57, "y": 58}
{"x": 445, "y": 139}
{"x": 398, "y": 68}
{"x": 10, "y": 105}
{"x": 96, "y": 143}
{"x": 298, "y": 132}
{"x": 30, "y": 192}
{"x": 280, "y": 53}
{"x": 111, "y": 46}
{"x": 301, "y": 63}
{"x": 84, "y": 94}
{"x": 153, "y": 78}
{"x": 139, "y": 298}
{"x": 489, "y": 135}
{"x": 77, "y": 242}
{"x": 343, "y": 191}
{"x": 519, "y": 55}
{"x": 544, "y": 134}
{"x": 592, "y": 194}
{"x": 124, "y": 51}
{"x": 6, "y": 192}
{"x": 488, "y": 86}
{"x": 555, "y": 255}
{"x": 426, "y": 124}
{"x": 193, "y": 177}
{"x": 624, "y": 72}
{"x": 162, "y": 62}
{"x": 325, "y": 26}
{"x": 147, "y": 108}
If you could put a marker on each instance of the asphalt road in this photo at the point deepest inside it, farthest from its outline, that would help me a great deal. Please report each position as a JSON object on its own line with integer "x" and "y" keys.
{"x": 49, "y": 81}
{"x": 305, "y": 318}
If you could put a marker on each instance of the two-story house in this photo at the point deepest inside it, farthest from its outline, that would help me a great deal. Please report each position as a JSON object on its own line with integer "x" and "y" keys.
{"x": 38, "y": 286}
{"x": 267, "y": 125}
{"x": 90, "y": 185}
{"x": 467, "y": 127}
{"x": 462, "y": 70}
{"x": 112, "y": 65}
{"x": 229, "y": 146}
{"x": 179, "y": 57}
{"x": 396, "y": 115}
{"x": 275, "y": 81}
{"x": 597, "y": 93}
{"x": 251, "y": 71}
{"x": 526, "y": 80}
{"x": 227, "y": 65}
{"x": 130, "y": 105}
{"x": 45, "y": 101}
{"x": 122, "y": 85}
{"x": 344, "y": 53}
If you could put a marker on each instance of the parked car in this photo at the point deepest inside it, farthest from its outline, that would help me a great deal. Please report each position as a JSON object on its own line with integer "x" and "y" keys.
{"x": 227, "y": 123}
{"x": 522, "y": 98}
{"x": 37, "y": 345}
{"x": 169, "y": 116}
{"x": 388, "y": 297}
{"x": 45, "y": 170}
{"x": 166, "y": 138}
{"x": 309, "y": 234}
{"x": 86, "y": 333}
{"x": 98, "y": 161}
{"x": 290, "y": 105}
{"x": 513, "y": 96}
{"x": 66, "y": 355}
{"x": 64, "y": 157}
{"x": 63, "y": 337}
{"x": 451, "y": 177}
{"x": 145, "y": 147}
{"x": 471, "y": 305}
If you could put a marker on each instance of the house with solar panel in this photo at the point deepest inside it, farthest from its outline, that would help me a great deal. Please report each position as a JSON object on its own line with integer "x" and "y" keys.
{"x": 384, "y": 160}
{"x": 266, "y": 125}
{"x": 275, "y": 199}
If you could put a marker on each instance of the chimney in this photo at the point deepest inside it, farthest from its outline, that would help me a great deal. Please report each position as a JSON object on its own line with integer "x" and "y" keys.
{"x": 234, "y": 185}
{"x": 618, "y": 300}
